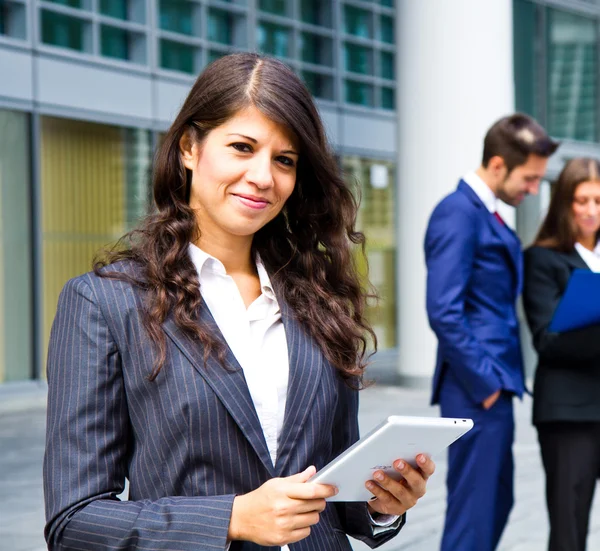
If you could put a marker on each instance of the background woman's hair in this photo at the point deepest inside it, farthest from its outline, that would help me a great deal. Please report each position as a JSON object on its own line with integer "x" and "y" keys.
{"x": 558, "y": 230}
{"x": 514, "y": 138}
{"x": 307, "y": 248}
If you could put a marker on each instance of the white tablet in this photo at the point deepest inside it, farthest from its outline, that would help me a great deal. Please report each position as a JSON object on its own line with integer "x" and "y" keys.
{"x": 396, "y": 438}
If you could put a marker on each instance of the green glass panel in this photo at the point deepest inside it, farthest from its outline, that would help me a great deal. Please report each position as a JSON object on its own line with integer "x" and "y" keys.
{"x": 62, "y": 30}
{"x": 572, "y": 73}
{"x": 114, "y": 42}
{"x": 315, "y": 49}
{"x": 273, "y": 39}
{"x": 320, "y": 86}
{"x": 386, "y": 28}
{"x": 388, "y": 100}
{"x": 114, "y": 8}
{"x": 2, "y": 20}
{"x": 220, "y": 25}
{"x": 214, "y": 55}
{"x": 357, "y": 59}
{"x": 359, "y": 93}
{"x": 524, "y": 39}
{"x": 388, "y": 3}
{"x": 278, "y": 7}
{"x": 69, "y": 3}
{"x": 387, "y": 65}
{"x": 310, "y": 12}
{"x": 177, "y": 16}
{"x": 357, "y": 22}
{"x": 177, "y": 56}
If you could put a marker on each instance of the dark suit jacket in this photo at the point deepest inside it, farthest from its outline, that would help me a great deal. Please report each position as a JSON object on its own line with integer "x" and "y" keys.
{"x": 474, "y": 274}
{"x": 188, "y": 442}
{"x": 567, "y": 379}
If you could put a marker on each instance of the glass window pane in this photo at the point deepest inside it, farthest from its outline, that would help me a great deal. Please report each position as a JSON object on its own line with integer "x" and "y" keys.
{"x": 114, "y": 42}
{"x": 114, "y": 8}
{"x": 360, "y": 93}
{"x": 388, "y": 3}
{"x": 358, "y": 59}
{"x": 278, "y": 7}
{"x": 387, "y": 65}
{"x": 357, "y": 22}
{"x": 572, "y": 73}
{"x": 62, "y": 30}
{"x": 85, "y": 210}
{"x": 524, "y": 57}
{"x": 220, "y": 26}
{"x": 177, "y": 56}
{"x": 69, "y": 3}
{"x": 388, "y": 100}
{"x": 273, "y": 39}
{"x": 386, "y": 28}
{"x": 316, "y": 12}
{"x": 320, "y": 86}
{"x": 177, "y": 16}
{"x": 16, "y": 360}
{"x": 316, "y": 49}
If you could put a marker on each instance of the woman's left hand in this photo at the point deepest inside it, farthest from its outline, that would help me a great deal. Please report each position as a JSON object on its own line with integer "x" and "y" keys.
{"x": 395, "y": 497}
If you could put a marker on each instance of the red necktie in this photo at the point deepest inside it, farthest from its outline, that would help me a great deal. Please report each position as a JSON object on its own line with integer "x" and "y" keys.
{"x": 499, "y": 218}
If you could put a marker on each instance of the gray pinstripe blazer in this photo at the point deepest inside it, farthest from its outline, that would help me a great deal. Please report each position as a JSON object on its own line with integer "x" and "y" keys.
{"x": 188, "y": 442}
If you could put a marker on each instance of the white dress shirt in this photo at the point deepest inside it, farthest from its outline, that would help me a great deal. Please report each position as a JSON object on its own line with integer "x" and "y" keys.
{"x": 482, "y": 191}
{"x": 591, "y": 258}
{"x": 256, "y": 336}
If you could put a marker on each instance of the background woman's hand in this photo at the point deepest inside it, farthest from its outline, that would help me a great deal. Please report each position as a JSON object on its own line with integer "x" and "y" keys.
{"x": 279, "y": 512}
{"x": 396, "y": 497}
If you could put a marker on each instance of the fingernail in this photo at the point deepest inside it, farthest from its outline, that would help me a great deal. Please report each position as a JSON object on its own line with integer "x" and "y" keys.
{"x": 400, "y": 465}
{"x": 421, "y": 459}
{"x": 378, "y": 476}
{"x": 370, "y": 485}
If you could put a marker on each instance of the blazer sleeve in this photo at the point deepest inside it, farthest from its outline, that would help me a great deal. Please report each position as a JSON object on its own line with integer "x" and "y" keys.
{"x": 546, "y": 276}
{"x": 450, "y": 248}
{"x": 88, "y": 441}
{"x": 355, "y": 517}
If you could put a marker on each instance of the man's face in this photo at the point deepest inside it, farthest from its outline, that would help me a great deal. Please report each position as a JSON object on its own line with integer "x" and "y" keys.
{"x": 522, "y": 181}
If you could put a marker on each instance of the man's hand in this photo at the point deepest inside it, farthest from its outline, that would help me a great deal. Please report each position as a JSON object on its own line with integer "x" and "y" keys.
{"x": 396, "y": 497}
{"x": 491, "y": 400}
{"x": 279, "y": 512}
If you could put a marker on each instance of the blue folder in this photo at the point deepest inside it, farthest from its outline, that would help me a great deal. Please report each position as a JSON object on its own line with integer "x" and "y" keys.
{"x": 580, "y": 305}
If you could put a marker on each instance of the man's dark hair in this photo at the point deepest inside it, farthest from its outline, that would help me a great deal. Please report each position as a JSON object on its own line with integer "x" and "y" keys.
{"x": 514, "y": 138}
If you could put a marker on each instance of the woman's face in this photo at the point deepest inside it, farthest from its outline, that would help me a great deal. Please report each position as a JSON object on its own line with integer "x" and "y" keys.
{"x": 586, "y": 209}
{"x": 242, "y": 175}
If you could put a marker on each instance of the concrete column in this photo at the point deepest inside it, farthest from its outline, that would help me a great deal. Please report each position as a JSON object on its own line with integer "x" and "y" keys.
{"x": 455, "y": 78}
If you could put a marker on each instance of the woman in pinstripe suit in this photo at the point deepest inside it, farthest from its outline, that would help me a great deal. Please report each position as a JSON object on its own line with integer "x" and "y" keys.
{"x": 214, "y": 360}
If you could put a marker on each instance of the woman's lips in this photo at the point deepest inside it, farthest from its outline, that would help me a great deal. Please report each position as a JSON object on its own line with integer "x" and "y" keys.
{"x": 256, "y": 203}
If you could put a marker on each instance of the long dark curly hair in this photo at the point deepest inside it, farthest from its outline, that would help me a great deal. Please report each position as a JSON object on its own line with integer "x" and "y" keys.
{"x": 308, "y": 249}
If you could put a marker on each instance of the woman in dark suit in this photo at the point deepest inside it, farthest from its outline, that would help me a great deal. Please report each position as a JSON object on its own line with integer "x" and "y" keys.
{"x": 566, "y": 399}
{"x": 214, "y": 360}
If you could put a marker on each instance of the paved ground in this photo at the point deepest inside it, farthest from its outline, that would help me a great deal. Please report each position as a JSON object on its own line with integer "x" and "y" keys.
{"x": 22, "y": 421}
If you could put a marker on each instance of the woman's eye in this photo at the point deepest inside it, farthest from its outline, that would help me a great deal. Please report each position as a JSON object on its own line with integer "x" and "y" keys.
{"x": 286, "y": 161}
{"x": 243, "y": 147}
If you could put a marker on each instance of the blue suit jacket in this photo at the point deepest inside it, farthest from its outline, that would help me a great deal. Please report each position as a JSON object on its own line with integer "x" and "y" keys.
{"x": 474, "y": 276}
{"x": 188, "y": 442}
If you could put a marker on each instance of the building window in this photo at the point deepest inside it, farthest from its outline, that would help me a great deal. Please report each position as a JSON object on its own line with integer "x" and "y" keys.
{"x": 316, "y": 49}
{"x": 359, "y": 93}
{"x": 387, "y": 65}
{"x": 64, "y": 31}
{"x": 273, "y": 39}
{"x": 12, "y": 20}
{"x": 358, "y": 59}
{"x": 178, "y": 56}
{"x": 316, "y": 12}
{"x": 178, "y": 16}
{"x": 114, "y": 8}
{"x": 16, "y": 359}
{"x": 69, "y": 3}
{"x": 277, "y": 7}
{"x": 572, "y": 74}
{"x": 320, "y": 86}
{"x": 388, "y": 100}
{"x": 387, "y": 3}
{"x": 358, "y": 22}
{"x": 386, "y": 29}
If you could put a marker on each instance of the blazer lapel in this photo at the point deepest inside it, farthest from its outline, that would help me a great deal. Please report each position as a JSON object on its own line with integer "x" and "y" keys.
{"x": 575, "y": 260}
{"x": 305, "y": 359}
{"x": 228, "y": 382}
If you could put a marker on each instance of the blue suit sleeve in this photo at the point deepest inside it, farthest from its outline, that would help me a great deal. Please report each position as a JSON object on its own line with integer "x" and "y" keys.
{"x": 87, "y": 446}
{"x": 450, "y": 248}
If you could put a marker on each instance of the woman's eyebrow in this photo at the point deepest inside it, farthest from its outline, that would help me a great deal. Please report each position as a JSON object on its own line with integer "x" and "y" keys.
{"x": 254, "y": 140}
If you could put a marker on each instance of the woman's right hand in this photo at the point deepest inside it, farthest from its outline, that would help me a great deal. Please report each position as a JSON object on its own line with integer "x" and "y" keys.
{"x": 279, "y": 512}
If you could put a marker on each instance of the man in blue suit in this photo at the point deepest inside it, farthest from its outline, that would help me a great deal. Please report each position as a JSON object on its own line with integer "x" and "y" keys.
{"x": 474, "y": 275}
